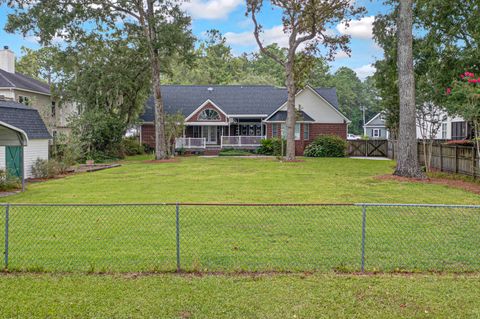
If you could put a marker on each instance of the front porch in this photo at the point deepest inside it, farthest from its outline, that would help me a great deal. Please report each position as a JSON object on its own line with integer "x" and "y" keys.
{"x": 238, "y": 135}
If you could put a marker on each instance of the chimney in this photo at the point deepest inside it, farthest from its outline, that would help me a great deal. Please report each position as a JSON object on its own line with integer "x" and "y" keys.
{"x": 7, "y": 60}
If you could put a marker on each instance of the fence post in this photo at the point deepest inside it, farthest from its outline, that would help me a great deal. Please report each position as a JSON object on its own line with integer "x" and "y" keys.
{"x": 456, "y": 159}
{"x": 441, "y": 157}
{"x": 474, "y": 164}
{"x": 364, "y": 224}
{"x": 7, "y": 219}
{"x": 177, "y": 223}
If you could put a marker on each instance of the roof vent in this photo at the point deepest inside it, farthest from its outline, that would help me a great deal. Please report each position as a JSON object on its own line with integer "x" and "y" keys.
{"x": 210, "y": 89}
{"x": 5, "y": 47}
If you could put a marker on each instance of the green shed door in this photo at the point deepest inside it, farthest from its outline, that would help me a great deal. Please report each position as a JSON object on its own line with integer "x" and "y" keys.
{"x": 13, "y": 160}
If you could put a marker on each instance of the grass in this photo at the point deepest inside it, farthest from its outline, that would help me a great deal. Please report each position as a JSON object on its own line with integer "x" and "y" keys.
{"x": 265, "y": 296}
{"x": 254, "y": 238}
{"x": 241, "y": 180}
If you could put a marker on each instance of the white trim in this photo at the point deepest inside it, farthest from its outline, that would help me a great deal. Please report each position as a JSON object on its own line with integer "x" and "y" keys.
{"x": 373, "y": 118}
{"x": 248, "y": 115}
{"x": 13, "y": 88}
{"x": 23, "y": 142}
{"x": 321, "y": 97}
{"x": 308, "y": 122}
{"x": 206, "y": 124}
{"x": 208, "y": 101}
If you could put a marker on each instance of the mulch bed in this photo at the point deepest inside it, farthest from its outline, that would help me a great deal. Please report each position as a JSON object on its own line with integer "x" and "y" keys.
{"x": 455, "y": 183}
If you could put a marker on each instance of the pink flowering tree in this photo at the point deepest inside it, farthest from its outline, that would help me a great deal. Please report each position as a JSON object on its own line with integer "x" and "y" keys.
{"x": 464, "y": 100}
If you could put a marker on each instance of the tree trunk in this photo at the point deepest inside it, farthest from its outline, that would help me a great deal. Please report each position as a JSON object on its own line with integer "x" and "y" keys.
{"x": 160, "y": 143}
{"x": 407, "y": 160}
{"x": 290, "y": 121}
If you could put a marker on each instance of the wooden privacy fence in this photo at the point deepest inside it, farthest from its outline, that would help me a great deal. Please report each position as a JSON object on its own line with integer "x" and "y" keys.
{"x": 373, "y": 148}
{"x": 450, "y": 158}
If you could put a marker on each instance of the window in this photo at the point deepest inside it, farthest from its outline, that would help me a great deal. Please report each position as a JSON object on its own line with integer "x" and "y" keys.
{"x": 376, "y": 132}
{"x": 54, "y": 109}
{"x": 24, "y": 99}
{"x": 274, "y": 130}
{"x": 209, "y": 115}
{"x": 197, "y": 131}
{"x": 306, "y": 132}
{"x": 297, "y": 131}
{"x": 444, "y": 131}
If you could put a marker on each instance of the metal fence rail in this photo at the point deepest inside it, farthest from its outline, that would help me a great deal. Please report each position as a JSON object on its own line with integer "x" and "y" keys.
{"x": 233, "y": 237}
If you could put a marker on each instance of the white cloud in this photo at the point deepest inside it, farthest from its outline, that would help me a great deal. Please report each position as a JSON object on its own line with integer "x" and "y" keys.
{"x": 360, "y": 29}
{"x": 211, "y": 9}
{"x": 268, "y": 36}
{"x": 341, "y": 55}
{"x": 364, "y": 71}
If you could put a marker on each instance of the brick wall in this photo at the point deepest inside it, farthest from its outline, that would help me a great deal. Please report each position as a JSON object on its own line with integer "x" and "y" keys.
{"x": 315, "y": 129}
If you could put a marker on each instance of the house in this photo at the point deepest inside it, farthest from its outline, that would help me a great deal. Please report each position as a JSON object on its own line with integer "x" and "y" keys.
{"x": 34, "y": 93}
{"x": 240, "y": 116}
{"x": 376, "y": 128}
{"x": 17, "y": 119}
{"x": 452, "y": 128}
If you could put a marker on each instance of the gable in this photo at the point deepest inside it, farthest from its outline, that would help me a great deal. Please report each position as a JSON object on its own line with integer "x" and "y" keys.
{"x": 377, "y": 120}
{"x": 318, "y": 108}
{"x": 206, "y": 108}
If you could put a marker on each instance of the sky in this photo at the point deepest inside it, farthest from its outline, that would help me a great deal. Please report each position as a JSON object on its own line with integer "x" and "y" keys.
{"x": 228, "y": 16}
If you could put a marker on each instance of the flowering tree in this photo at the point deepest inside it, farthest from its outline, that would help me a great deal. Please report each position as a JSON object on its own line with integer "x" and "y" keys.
{"x": 464, "y": 100}
{"x": 429, "y": 121}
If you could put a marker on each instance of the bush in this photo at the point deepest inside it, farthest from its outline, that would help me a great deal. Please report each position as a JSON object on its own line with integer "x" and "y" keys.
{"x": 8, "y": 183}
{"x": 326, "y": 146}
{"x": 131, "y": 146}
{"x": 272, "y": 146}
{"x": 46, "y": 169}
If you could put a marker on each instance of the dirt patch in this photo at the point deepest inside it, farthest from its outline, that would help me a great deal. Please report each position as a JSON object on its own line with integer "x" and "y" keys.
{"x": 455, "y": 183}
{"x": 170, "y": 160}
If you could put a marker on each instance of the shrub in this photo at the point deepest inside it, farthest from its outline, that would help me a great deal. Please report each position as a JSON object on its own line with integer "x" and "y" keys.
{"x": 272, "y": 146}
{"x": 7, "y": 182}
{"x": 326, "y": 146}
{"x": 131, "y": 146}
{"x": 46, "y": 169}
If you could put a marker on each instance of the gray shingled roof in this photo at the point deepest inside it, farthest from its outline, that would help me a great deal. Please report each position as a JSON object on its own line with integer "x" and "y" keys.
{"x": 24, "y": 118}
{"x": 20, "y": 81}
{"x": 232, "y": 99}
{"x": 282, "y": 116}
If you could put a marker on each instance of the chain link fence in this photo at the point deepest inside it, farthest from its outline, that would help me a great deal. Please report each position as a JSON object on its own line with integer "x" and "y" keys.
{"x": 225, "y": 237}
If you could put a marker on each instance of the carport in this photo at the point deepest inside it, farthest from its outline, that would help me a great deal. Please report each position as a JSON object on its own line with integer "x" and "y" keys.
{"x": 14, "y": 140}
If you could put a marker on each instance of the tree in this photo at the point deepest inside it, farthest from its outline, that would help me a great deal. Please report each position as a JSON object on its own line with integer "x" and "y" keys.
{"x": 464, "y": 100}
{"x": 407, "y": 160}
{"x": 163, "y": 27}
{"x": 429, "y": 122}
{"x": 305, "y": 22}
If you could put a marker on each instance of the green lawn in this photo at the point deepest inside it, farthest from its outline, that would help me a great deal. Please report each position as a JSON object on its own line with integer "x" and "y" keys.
{"x": 266, "y": 296}
{"x": 241, "y": 180}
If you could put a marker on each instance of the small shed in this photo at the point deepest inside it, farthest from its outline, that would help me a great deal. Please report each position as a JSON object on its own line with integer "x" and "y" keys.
{"x": 23, "y": 138}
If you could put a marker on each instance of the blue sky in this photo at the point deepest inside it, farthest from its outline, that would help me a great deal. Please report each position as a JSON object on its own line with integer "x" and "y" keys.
{"x": 228, "y": 16}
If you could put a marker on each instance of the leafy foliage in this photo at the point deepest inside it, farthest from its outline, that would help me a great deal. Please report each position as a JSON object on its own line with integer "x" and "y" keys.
{"x": 8, "y": 182}
{"x": 272, "y": 146}
{"x": 326, "y": 146}
{"x": 131, "y": 146}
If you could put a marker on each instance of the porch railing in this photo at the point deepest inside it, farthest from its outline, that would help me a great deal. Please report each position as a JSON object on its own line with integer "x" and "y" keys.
{"x": 241, "y": 141}
{"x": 190, "y": 142}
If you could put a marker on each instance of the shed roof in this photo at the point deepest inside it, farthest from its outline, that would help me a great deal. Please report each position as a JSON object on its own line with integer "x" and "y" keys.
{"x": 25, "y": 118}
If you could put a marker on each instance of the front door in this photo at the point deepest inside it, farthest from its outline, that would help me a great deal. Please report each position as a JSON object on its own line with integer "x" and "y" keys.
{"x": 13, "y": 161}
{"x": 210, "y": 134}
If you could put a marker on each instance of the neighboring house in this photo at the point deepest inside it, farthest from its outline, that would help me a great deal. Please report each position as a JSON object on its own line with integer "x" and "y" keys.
{"x": 27, "y": 122}
{"x": 452, "y": 128}
{"x": 376, "y": 128}
{"x": 37, "y": 94}
{"x": 236, "y": 116}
